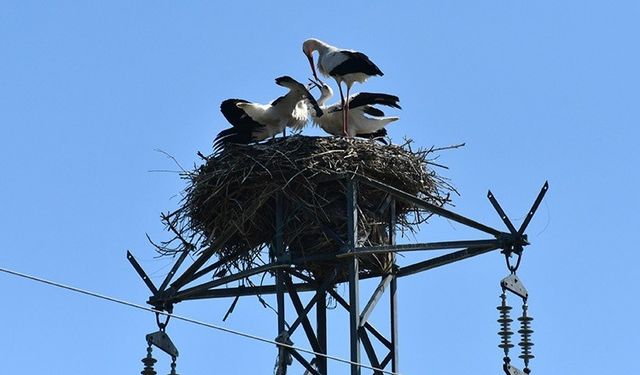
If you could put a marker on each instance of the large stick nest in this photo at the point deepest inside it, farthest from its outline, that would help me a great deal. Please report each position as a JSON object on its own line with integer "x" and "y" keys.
{"x": 235, "y": 190}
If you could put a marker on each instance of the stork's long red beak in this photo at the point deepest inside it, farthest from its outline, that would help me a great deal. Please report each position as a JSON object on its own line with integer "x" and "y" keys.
{"x": 312, "y": 84}
{"x": 313, "y": 68}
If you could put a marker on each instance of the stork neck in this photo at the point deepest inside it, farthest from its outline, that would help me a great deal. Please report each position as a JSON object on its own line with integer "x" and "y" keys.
{"x": 319, "y": 46}
{"x": 323, "y": 47}
{"x": 323, "y": 98}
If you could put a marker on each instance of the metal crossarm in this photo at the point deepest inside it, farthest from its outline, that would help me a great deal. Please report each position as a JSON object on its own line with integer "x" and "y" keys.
{"x": 399, "y": 194}
{"x": 500, "y": 211}
{"x": 141, "y": 273}
{"x": 443, "y": 260}
{"x": 534, "y": 208}
{"x": 225, "y": 280}
{"x": 443, "y": 245}
{"x": 258, "y": 290}
{"x": 204, "y": 256}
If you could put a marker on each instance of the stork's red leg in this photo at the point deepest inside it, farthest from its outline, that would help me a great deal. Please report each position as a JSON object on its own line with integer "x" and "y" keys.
{"x": 344, "y": 118}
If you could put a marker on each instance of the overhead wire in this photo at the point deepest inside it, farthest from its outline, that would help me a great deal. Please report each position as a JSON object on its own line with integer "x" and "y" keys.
{"x": 187, "y": 319}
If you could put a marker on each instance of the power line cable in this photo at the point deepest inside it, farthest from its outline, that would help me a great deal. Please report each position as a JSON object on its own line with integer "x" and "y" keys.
{"x": 187, "y": 319}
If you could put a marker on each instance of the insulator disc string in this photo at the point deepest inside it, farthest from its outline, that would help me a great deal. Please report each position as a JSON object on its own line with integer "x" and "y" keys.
{"x": 506, "y": 331}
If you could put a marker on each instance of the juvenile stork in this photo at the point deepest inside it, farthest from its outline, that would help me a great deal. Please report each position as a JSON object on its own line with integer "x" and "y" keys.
{"x": 343, "y": 65}
{"x": 255, "y": 122}
{"x": 365, "y": 120}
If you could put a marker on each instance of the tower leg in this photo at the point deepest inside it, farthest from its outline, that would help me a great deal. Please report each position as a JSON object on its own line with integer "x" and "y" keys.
{"x": 393, "y": 286}
{"x": 354, "y": 314}
{"x": 280, "y": 286}
{"x": 321, "y": 328}
{"x": 282, "y": 352}
{"x": 354, "y": 279}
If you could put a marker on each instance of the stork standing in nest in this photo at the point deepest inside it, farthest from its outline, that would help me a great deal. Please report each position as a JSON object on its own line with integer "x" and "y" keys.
{"x": 365, "y": 120}
{"x": 255, "y": 122}
{"x": 343, "y": 65}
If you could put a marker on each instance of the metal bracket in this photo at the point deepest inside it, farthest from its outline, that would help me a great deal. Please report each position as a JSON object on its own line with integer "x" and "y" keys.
{"x": 514, "y": 285}
{"x": 162, "y": 341}
{"x": 517, "y": 239}
{"x": 530, "y": 214}
{"x": 510, "y": 370}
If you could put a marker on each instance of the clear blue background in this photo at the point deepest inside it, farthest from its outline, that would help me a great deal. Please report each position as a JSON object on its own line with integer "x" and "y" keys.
{"x": 537, "y": 90}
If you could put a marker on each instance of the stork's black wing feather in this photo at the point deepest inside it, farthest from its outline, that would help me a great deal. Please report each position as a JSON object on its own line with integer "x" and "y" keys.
{"x": 372, "y": 111}
{"x": 372, "y": 98}
{"x": 235, "y": 115}
{"x": 357, "y": 62}
{"x": 278, "y": 100}
{"x": 287, "y": 80}
{"x": 378, "y": 135}
{"x": 233, "y": 135}
{"x": 243, "y": 125}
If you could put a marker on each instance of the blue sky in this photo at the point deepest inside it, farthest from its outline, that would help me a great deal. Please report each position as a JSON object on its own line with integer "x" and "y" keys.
{"x": 537, "y": 91}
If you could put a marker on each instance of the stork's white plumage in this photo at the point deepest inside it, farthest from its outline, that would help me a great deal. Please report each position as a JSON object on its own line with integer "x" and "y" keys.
{"x": 299, "y": 116}
{"x": 364, "y": 120}
{"x": 254, "y": 122}
{"x": 343, "y": 65}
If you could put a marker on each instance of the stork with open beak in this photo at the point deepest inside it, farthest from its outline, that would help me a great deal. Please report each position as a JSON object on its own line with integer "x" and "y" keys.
{"x": 255, "y": 122}
{"x": 343, "y": 65}
{"x": 365, "y": 120}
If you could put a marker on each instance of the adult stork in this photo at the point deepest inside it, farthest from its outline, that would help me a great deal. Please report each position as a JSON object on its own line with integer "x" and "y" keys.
{"x": 343, "y": 65}
{"x": 255, "y": 122}
{"x": 365, "y": 120}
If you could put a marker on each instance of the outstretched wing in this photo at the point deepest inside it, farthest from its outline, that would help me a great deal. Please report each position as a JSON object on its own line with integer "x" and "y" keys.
{"x": 298, "y": 87}
{"x": 373, "y": 98}
{"x": 243, "y": 125}
{"x": 235, "y": 115}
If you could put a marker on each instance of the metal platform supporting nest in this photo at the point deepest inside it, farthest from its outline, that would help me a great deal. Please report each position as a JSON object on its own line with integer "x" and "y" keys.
{"x": 287, "y": 268}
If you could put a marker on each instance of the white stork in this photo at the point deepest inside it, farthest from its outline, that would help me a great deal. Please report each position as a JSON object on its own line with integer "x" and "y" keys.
{"x": 365, "y": 120}
{"x": 255, "y": 122}
{"x": 343, "y": 65}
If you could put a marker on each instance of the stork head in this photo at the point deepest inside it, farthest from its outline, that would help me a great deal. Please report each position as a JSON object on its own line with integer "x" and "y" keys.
{"x": 308, "y": 47}
{"x": 325, "y": 91}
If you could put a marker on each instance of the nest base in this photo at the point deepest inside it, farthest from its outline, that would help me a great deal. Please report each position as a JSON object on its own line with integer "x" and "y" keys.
{"x": 235, "y": 192}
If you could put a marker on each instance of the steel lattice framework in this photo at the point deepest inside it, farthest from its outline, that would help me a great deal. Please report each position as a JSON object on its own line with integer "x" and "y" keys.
{"x": 289, "y": 280}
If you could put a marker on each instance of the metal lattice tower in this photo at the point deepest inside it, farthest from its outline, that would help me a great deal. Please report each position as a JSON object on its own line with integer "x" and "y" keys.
{"x": 289, "y": 280}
